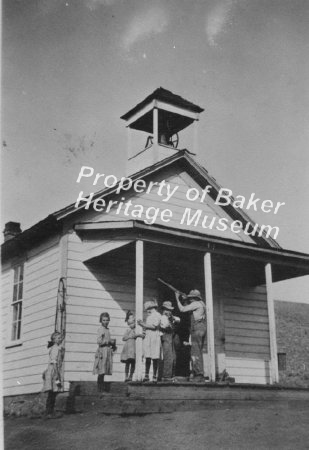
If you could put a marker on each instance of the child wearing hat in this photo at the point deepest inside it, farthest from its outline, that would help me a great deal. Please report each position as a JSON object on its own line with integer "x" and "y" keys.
{"x": 152, "y": 341}
{"x": 167, "y": 327}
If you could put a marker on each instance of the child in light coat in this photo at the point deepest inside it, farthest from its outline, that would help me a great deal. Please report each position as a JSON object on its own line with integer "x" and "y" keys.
{"x": 52, "y": 376}
{"x": 152, "y": 340}
{"x": 128, "y": 353}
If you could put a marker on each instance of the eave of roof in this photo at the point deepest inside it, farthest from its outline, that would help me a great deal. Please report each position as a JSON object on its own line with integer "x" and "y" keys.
{"x": 292, "y": 263}
{"x": 165, "y": 96}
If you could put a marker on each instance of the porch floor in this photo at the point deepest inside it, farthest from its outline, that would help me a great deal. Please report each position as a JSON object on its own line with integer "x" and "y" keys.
{"x": 149, "y": 398}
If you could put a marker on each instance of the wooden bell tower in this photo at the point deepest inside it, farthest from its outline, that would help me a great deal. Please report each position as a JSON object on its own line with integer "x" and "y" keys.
{"x": 162, "y": 115}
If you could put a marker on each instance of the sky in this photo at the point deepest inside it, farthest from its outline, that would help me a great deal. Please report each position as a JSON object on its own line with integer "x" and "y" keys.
{"x": 71, "y": 68}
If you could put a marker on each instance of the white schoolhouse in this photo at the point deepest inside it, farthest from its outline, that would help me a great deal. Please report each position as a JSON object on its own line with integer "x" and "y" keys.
{"x": 78, "y": 262}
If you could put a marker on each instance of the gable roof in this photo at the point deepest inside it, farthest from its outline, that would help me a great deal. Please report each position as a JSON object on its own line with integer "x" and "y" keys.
{"x": 53, "y": 223}
{"x": 201, "y": 177}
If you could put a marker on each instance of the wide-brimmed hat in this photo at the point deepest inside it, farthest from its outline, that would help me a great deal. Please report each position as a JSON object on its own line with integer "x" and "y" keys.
{"x": 168, "y": 305}
{"x": 150, "y": 304}
{"x": 194, "y": 294}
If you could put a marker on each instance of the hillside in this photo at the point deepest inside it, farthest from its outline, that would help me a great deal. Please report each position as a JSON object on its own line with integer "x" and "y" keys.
{"x": 292, "y": 326}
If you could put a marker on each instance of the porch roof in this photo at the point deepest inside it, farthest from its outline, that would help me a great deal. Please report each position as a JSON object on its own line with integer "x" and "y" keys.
{"x": 286, "y": 263}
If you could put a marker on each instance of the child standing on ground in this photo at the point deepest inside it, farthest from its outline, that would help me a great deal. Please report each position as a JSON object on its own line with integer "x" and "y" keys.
{"x": 128, "y": 353}
{"x": 103, "y": 363}
{"x": 52, "y": 375}
{"x": 152, "y": 340}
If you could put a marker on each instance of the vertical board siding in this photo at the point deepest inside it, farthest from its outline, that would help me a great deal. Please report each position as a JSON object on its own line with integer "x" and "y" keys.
{"x": 23, "y": 365}
{"x": 247, "y": 345}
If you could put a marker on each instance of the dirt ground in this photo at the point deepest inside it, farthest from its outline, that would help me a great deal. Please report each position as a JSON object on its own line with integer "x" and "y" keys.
{"x": 229, "y": 425}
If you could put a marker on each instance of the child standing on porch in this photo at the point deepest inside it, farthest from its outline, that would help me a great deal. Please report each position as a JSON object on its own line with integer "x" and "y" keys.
{"x": 103, "y": 363}
{"x": 152, "y": 340}
{"x": 128, "y": 352}
{"x": 51, "y": 376}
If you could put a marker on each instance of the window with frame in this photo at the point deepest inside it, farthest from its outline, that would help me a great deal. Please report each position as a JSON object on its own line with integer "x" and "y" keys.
{"x": 17, "y": 303}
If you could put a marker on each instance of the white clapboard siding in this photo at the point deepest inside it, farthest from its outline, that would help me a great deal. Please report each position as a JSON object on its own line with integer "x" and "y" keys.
{"x": 23, "y": 365}
{"x": 247, "y": 345}
{"x": 91, "y": 290}
{"x": 248, "y": 370}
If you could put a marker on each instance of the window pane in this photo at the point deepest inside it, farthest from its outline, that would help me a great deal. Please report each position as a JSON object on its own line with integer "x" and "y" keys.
{"x": 16, "y": 275}
{"x": 15, "y": 312}
{"x": 19, "y": 311}
{"x": 20, "y": 291}
{"x": 21, "y": 272}
{"x": 15, "y": 292}
{"x": 14, "y": 331}
{"x": 18, "y": 329}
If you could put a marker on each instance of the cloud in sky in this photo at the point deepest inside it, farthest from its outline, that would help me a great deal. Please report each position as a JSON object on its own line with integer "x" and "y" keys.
{"x": 218, "y": 19}
{"x": 143, "y": 25}
{"x": 94, "y": 4}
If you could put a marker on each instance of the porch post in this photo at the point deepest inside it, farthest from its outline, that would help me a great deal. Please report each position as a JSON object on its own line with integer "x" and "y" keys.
{"x": 195, "y": 137}
{"x": 139, "y": 294}
{"x": 155, "y": 127}
{"x": 274, "y": 374}
{"x": 210, "y": 316}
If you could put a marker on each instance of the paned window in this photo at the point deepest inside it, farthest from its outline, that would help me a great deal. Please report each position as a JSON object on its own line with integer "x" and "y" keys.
{"x": 17, "y": 303}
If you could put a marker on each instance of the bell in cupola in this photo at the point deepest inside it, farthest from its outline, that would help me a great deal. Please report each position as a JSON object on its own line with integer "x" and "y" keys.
{"x": 161, "y": 115}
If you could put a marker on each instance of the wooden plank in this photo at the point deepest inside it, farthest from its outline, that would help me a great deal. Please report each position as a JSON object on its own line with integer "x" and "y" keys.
{"x": 35, "y": 331}
{"x": 85, "y": 274}
{"x": 18, "y": 381}
{"x": 94, "y": 284}
{"x": 247, "y": 354}
{"x": 24, "y": 353}
{"x": 247, "y": 363}
{"x": 105, "y": 247}
{"x": 139, "y": 287}
{"x": 99, "y": 294}
{"x": 43, "y": 249}
{"x": 94, "y": 311}
{"x": 210, "y": 318}
{"x": 118, "y": 328}
{"x": 272, "y": 326}
{"x": 45, "y": 260}
{"x": 38, "y": 288}
{"x": 247, "y": 340}
{"x": 229, "y": 332}
{"x": 21, "y": 390}
{"x": 33, "y": 308}
{"x": 244, "y": 325}
{"x": 90, "y": 315}
{"x": 238, "y": 309}
{"x": 247, "y": 303}
{"x": 244, "y": 317}
{"x": 243, "y": 348}
{"x": 39, "y": 315}
{"x": 251, "y": 379}
{"x": 25, "y": 363}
